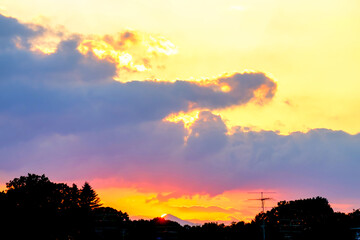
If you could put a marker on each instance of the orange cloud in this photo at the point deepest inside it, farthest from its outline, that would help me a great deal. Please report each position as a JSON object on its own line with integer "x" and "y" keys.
{"x": 123, "y": 40}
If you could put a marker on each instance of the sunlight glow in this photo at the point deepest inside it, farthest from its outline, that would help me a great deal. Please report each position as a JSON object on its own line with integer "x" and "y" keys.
{"x": 188, "y": 118}
{"x": 260, "y": 94}
{"x": 45, "y": 50}
{"x": 128, "y": 52}
{"x": 161, "y": 45}
{"x": 104, "y": 50}
{"x": 225, "y": 88}
{"x": 238, "y": 8}
{"x": 198, "y": 208}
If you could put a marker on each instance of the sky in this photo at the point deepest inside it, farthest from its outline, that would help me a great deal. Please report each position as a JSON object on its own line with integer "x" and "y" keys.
{"x": 184, "y": 107}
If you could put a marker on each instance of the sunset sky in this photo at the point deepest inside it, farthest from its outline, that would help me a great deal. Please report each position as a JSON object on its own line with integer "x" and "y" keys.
{"x": 184, "y": 107}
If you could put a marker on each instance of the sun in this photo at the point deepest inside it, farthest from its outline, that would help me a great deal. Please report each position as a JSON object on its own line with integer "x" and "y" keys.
{"x": 164, "y": 215}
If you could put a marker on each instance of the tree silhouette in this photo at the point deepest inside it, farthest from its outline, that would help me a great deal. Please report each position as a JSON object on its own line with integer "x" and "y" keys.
{"x": 33, "y": 207}
{"x": 46, "y": 210}
{"x": 311, "y": 218}
{"x": 88, "y": 197}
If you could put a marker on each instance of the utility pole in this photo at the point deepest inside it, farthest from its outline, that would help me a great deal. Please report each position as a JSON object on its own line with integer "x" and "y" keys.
{"x": 262, "y": 199}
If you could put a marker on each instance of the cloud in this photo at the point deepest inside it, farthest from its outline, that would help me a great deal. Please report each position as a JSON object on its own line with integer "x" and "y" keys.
{"x": 13, "y": 34}
{"x": 163, "y": 197}
{"x": 68, "y": 93}
{"x": 161, "y": 46}
{"x": 131, "y": 52}
{"x": 122, "y": 40}
{"x": 208, "y": 136}
{"x": 63, "y": 114}
{"x": 65, "y": 96}
{"x": 207, "y": 209}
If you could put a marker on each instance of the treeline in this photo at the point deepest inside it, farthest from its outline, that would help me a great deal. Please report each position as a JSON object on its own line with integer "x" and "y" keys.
{"x": 33, "y": 207}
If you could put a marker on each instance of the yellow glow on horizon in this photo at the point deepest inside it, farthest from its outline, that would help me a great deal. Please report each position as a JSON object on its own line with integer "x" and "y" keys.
{"x": 229, "y": 206}
{"x": 199, "y": 208}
